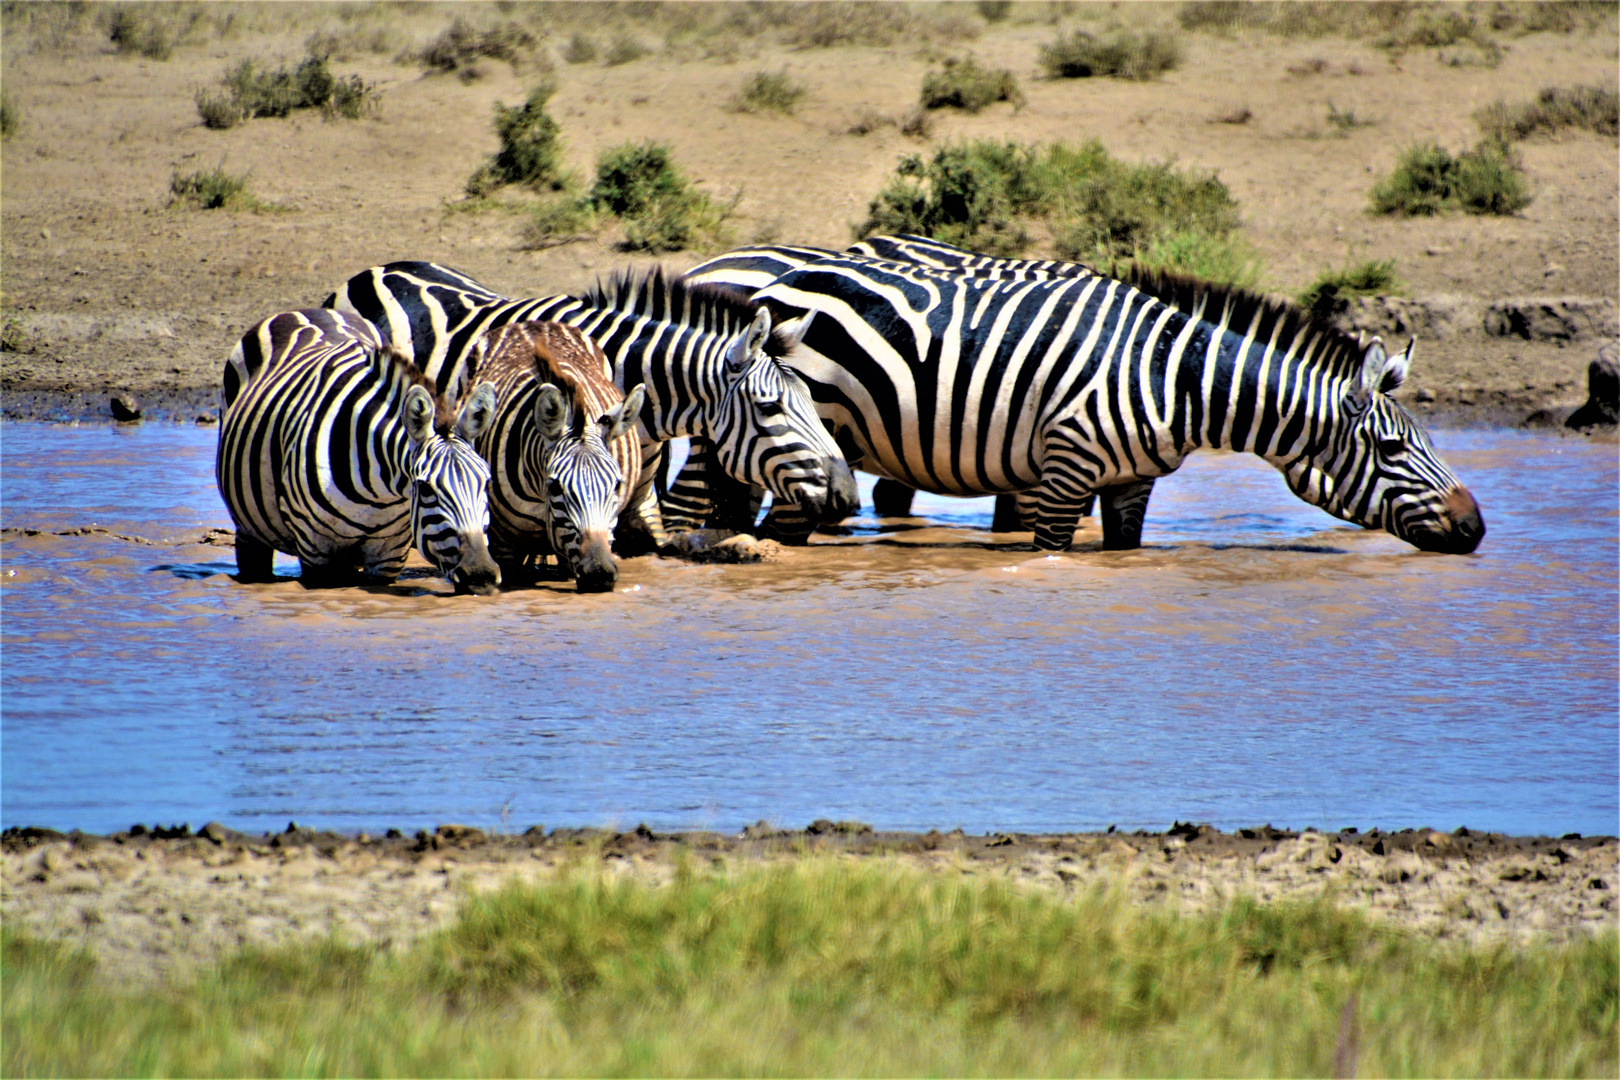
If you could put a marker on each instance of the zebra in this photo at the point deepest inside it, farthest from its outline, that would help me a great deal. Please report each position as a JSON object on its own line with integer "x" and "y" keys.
{"x": 335, "y": 448}
{"x": 689, "y": 500}
{"x": 1068, "y": 387}
{"x": 559, "y": 449}
{"x": 706, "y": 355}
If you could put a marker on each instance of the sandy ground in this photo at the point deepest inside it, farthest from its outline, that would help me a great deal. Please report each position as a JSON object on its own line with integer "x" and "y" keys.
{"x": 146, "y": 905}
{"x": 106, "y": 289}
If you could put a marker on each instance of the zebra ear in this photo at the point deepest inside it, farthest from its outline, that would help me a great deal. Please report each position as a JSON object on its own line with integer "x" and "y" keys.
{"x": 747, "y": 347}
{"x": 792, "y": 332}
{"x": 478, "y": 413}
{"x": 622, "y": 419}
{"x": 1374, "y": 362}
{"x": 1396, "y": 368}
{"x": 549, "y": 412}
{"x": 418, "y": 414}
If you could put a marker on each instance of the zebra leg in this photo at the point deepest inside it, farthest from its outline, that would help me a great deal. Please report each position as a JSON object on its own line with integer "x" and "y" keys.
{"x": 736, "y": 504}
{"x": 1008, "y": 516}
{"x": 641, "y": 526}
{"x": 255, "y": 561}
{"x": 891, "y": 498}
{"x": 1123, "y": 508}
{"x": 689, "y": 500}
{"x": 788, "y": 525}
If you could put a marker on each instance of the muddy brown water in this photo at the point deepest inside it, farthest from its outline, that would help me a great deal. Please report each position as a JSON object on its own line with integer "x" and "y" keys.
{"x": 1256, "y": 662}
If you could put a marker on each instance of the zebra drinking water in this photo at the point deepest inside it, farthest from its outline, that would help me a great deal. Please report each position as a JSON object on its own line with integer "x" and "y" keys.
{"x": 706, "y": 355}
{"x": 559, "y": 449}
{"x": 1078, "y": 385}
{"x": 337, "y": 449}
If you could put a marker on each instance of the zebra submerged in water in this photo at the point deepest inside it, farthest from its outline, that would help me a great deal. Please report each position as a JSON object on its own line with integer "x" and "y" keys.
{"x": 1073, "y": 386}
{"x": 559, "y": 449}
{"x": 335, "y": 448}
{"x": 706, "y": 355}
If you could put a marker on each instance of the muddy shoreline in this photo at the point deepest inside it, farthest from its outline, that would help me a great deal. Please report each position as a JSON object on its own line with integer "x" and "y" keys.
{"x": 151, "y": 901}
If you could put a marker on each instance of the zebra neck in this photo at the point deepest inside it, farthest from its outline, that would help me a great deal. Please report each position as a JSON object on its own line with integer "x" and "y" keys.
{"x": 680, "y": 368}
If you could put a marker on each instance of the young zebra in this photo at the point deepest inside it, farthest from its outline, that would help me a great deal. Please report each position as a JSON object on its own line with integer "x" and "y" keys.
{"x": 700, "y": 494}
{"x": 706, "y": 356}
{"x": 336, "y": 449}
{"x": 559, "y": 450}
{"x": 1074, "y": 386}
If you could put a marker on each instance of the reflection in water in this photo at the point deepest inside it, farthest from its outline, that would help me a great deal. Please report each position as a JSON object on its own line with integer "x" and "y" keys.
{"x": 1258, "y": 661}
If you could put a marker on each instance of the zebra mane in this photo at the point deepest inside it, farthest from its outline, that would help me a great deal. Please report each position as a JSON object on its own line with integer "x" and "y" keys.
{"x": 1340, "y": 351}
{"x": 444, "y": 417}
{"x": 719, "y": 309}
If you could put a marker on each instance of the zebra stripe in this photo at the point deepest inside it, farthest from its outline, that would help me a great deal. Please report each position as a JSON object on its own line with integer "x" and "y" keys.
{"x": 705, "y": 355}
{"x": 559, "y": 450}
{"x": 334, "y": 449}
{"x": 1070, "y": 386}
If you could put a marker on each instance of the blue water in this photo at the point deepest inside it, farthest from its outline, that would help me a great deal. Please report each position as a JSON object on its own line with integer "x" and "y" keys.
{"x": 1257, "y": 661}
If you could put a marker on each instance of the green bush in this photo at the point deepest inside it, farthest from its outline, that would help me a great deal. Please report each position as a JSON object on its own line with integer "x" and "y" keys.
{"x": 1428, "y": 180}
{"x": 461, "y": 44}
{"x": 963, "y": 84}
{"x": 1224, "y": 260}
{"x": 767, "y": 91}
{"x": 993, "y": 11}
{"x": 1592, "y": 108}
{"x": 580, "y": 49}
{"x": 1120, "y": 53}
{"x": 135, "y": 28}
{"x": 1330, "y": 294}
{"x": 251, "y": 92}
{"x": 10, "y": 115}
{"x": 531, "y": 147}
{"x": 639, "y": 183}
{"x": 212, "y": 190}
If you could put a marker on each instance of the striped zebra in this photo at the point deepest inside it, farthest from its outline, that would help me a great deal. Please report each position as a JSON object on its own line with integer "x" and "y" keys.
{"x": 336, "y": 449}
{"x": 559, "y": 449}
{"x": 1068, "y": 387}
{"x": 696, "y": 496}
{"x": 706, "y": 355}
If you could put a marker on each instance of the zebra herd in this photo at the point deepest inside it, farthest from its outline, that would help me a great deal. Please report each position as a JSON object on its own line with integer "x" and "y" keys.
{"x": 417, "y": 407}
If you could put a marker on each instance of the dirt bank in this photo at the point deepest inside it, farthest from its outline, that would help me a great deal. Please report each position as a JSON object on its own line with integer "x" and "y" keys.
{"x": 155, "y": 901}
{"x": 107, "y": 289}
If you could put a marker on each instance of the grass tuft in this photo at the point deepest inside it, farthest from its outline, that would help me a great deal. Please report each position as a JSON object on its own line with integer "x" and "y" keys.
{"x": 625, "y": 48}
{"x": 250, "y": 91}
{"x": 11, "y": 117}
{"x": 531, "y": 147}
{"x": 1589, "y": 108}
{"x": 1330, "y": 294}
{"x": 823, "y": 967}
{"x": 1120, "y": 53}
{"x": 462, "y": 44}
{"x": 963, "y": 84}
{"x": 136, "y": 28}
{"x": 581, "y": 49}
{"x": 214, "y": 189}
{"x": 1428, "y": 180}
{"x": 768, "y": 91}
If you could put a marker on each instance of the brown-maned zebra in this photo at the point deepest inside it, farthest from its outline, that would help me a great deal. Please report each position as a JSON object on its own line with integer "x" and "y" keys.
{"x": 562, "y": 443}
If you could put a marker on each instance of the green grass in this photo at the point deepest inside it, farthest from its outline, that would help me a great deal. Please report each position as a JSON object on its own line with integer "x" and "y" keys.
{"x": 1123, "y": 54}
{"x": 824, "y": 967}
{"x": 768, "y": 91}
{"x": 11, "y": 118}
{"x": 251, "y": 91}
{"x": 1332, "y": 291}
{"x": 1589, "y": 108}
{"x": 531, "y": 151}
{"x": 214, "y": 189}
{"x": 1428, "y": 180}
{"x": 963, "y": 84}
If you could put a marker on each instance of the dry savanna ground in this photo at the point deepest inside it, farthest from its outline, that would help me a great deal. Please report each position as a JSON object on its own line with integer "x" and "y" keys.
{"x": 107, "y": 287}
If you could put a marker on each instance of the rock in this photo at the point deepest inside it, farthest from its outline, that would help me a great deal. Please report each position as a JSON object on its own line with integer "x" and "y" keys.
{"x": 764, "y": 830}
{"x": 125, "y": 409}
{"x": 1603, "y": 391}
{"x": 214, "y": 831}
{"x": 460, "y": 834}
{"x": 1425, "y": 318}
{"x": 207, "y": 419}
{"x": 1424, "y": 395}
{"x": 1437, "y": 840}
{"x": 822, "y": 826}
{"x": 1551, "y": 318}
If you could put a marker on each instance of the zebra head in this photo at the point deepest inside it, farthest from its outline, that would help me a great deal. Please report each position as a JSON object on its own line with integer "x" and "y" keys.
{"x": 1380, "y": 471}
{"x": 766, "y": 431}
{"x": 449, "y": 483}
{"x": 584, "y": 483}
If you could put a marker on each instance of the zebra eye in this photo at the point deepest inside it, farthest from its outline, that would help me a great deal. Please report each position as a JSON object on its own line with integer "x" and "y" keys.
{"x": 1389, "y": 446}
{"x": 772, "y": 407}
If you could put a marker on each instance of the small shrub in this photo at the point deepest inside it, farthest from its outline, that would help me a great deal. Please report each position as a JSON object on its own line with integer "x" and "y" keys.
{"x": 767, "y": 92}
{"x": 461, "y": 44}
{"x": 1428, "y": 180}
{"x": 1344, "y": 121}
{"x": 212, "y": 190}
{"x": 251, "y": 92}
{"x": 1314, "y": 66}
{"x": 560, "y": 220}
{"x": 1241, "y": 115}
{"x": 963, "y": 84}
{"x": 1330, "y": 294}
{"x": 1121, "y": 53}
{"x": 10, "y": 115}
{"x": 639, "y": 183}
{"x": 531, "y": 146}
{"x": 993, "y": 11}
{"x": 1224, "y": 260}
{"x": 1593, "y": 108}
{"x": 870, "y": 120}
{"x": 626, "y": 47}
{"x": 219, "y": 109}
{"x": 917, "y": 124}
{"x": 580, "y": 49}
{"x": 134, "y": 29}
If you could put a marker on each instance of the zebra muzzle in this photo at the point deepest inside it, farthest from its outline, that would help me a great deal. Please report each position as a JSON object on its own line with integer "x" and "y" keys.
{"x": 477, "y": 572}
{"x": 595, "y": 569}
{"x": 1458, "y": 527}
{"x": 836, "y": 500}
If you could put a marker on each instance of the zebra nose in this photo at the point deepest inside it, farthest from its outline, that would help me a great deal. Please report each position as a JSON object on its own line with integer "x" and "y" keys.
{"x": 1467, "y": 526}
{"x": 477, "y": 572}
{"x": 842, "y": 497}
{"x": 596, "y": 570}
